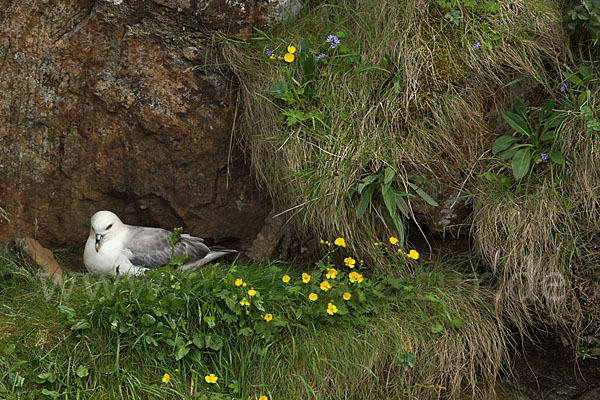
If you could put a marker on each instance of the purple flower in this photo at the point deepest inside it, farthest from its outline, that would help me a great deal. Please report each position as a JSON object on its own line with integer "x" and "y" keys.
{"x": 268, "y": 53}
{"x": 563, "y": 87}
{"x": 544, "y": 157}
{"x": 333, "y": 40}
{"x": 320, "y": 56}
{"x": 477, "y": 45}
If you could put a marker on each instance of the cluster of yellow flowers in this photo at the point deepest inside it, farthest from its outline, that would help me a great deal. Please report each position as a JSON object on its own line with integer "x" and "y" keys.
{"x": 251, "y": 293}
{"x": 289, "y": 56}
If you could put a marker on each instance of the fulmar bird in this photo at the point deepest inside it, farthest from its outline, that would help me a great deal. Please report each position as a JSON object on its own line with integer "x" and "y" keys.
{"x": 117, "y": 248}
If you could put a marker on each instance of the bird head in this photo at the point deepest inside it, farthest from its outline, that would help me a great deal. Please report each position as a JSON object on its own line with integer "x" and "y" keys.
{"x": 104, "y": 225}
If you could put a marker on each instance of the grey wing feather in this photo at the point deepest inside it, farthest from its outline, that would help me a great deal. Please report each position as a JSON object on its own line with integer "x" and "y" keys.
{"x": 150, "y": 247}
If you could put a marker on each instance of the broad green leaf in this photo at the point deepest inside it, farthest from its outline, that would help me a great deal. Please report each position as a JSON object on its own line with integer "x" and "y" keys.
{"x": 66, "y": 311}
{"x": 437, "y": 328}
{"x": 401, "y": 203}
{"x": 366, "y": 182}
{"x": 389, "y": 198}
{"x": 503, "y": 143}
{"x": 508, "y": 154}
{"x": 182, "y": 351}
{"x": 82, "y": 371}
{"x": 80, "y": 325}
{"x": 365, "y": 202}
{"x": 214, "y": 342}
{"x": 388, "y": 175}
{"x": 548, "y": 136}
{"x": 516, "y": 122}
{"x": 520, "y": 108}
{"x": 278, "y": 89}
{"x": 586, "y": 71}
{"x": 198, "y": 340}
{"x": 148, "y": 319}
{"x": 557, "y": 157}
{"x": 573, "y": 78}
{"x": 520, "y": 163}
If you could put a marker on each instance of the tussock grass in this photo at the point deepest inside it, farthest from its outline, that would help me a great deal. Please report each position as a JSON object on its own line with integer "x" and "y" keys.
{"x": 543, "y": 243}
{"x": 348, "y": 361}
{"x": 436, "y": 127}
{"x": 364, "y": 362}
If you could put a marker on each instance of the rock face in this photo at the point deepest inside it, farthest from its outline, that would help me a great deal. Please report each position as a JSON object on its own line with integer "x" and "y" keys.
{"x": 100, "y": 108}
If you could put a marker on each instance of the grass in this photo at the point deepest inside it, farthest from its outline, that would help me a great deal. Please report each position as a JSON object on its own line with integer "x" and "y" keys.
{"x": 442, "y": 320}
{"x": 400, "y": 95}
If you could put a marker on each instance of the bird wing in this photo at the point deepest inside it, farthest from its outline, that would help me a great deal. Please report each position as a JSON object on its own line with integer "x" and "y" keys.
{"x": 150, "y": 247}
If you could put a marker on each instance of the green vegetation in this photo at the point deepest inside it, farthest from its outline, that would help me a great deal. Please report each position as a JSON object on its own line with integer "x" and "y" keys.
{"x": 257, "y": 331}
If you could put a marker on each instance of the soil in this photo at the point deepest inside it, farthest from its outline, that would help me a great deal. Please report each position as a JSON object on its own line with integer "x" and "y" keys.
{"x": 552, "y": 371}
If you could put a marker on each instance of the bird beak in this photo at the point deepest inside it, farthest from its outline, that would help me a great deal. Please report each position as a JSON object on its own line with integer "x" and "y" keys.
{"x": 98, "y": 242}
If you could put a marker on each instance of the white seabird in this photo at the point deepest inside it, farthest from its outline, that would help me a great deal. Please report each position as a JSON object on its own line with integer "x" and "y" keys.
{"x": 119, "y": 249}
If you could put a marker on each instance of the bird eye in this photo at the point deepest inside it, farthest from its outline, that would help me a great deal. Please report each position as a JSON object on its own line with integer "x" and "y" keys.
{"x": 108, "y": 227}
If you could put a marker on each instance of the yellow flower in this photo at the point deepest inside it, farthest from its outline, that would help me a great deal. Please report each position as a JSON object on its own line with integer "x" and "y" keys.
{"x": 166, "y": 378}
{"x": 251, "y": 292}
{"x": 346, "y": 296}
{"x": 322, "y": 241}
{"x": 291, "y": 49}
{"x": 331, "y": 273}
{"x": 244, "y": 284}
{"x": 239, "y": 282}
{"x": 355, "y": 277}
{"x": 325, "y": 286}
{"x": 305, "y": 277}
{"x": 245, "y": 302}
{"x": 413, "y": 254}
{"x": 331, "y": 309}
{"x": 268, "y": 317}
{"x": 349, "y": 261}
{"x": 289, "y": 57}
{"x": 286, "y": 278}
{"x": 211, "y": 378}
{"x": 313, "y": 297}
{"x": 340, "y": 242}
{"x": 376, "y": 244}
{"x": 393, "y": 240}
{"x": 263, "y": 398}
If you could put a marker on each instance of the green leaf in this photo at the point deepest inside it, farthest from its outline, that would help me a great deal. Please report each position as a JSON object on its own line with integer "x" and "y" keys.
{"x": 573, "y": 78}
{"x": 198, "y": 340}
{"x": 366, "y": 182}
{"x": 67, "y": 311}
{"x": 365, "y": 202}
{"x": 388, "y": 175}
{"x": 503, "y": 143}
{"x": 82, "y": 371}
{"x": 148, "y": 319}
{"x": 401, "y": 203}
{"x": 516, "y": 122}
{"x": 557, "y": 157}
{"x": 214, "y": 342}
{"x": 437, "y": 328}
{"x": 210, "y": 320}
{"x": 545, "y": 111}
{"x": 278, "y": 89}
{"x": 389, "y": 198}
{"x": 423, "y": 195}
{"x": 182, "y": 351}
{"x": 520, "y": 108}
{"x": 520, "y": 163}
{"x": 80, "y": 325}
{"x": 508, "y": 154}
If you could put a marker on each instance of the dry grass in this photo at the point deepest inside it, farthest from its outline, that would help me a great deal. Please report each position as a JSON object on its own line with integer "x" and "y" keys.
{"x": 449, "y": 88}
{"x": 543, "y": 244}
{"x": 466, "y": 361}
